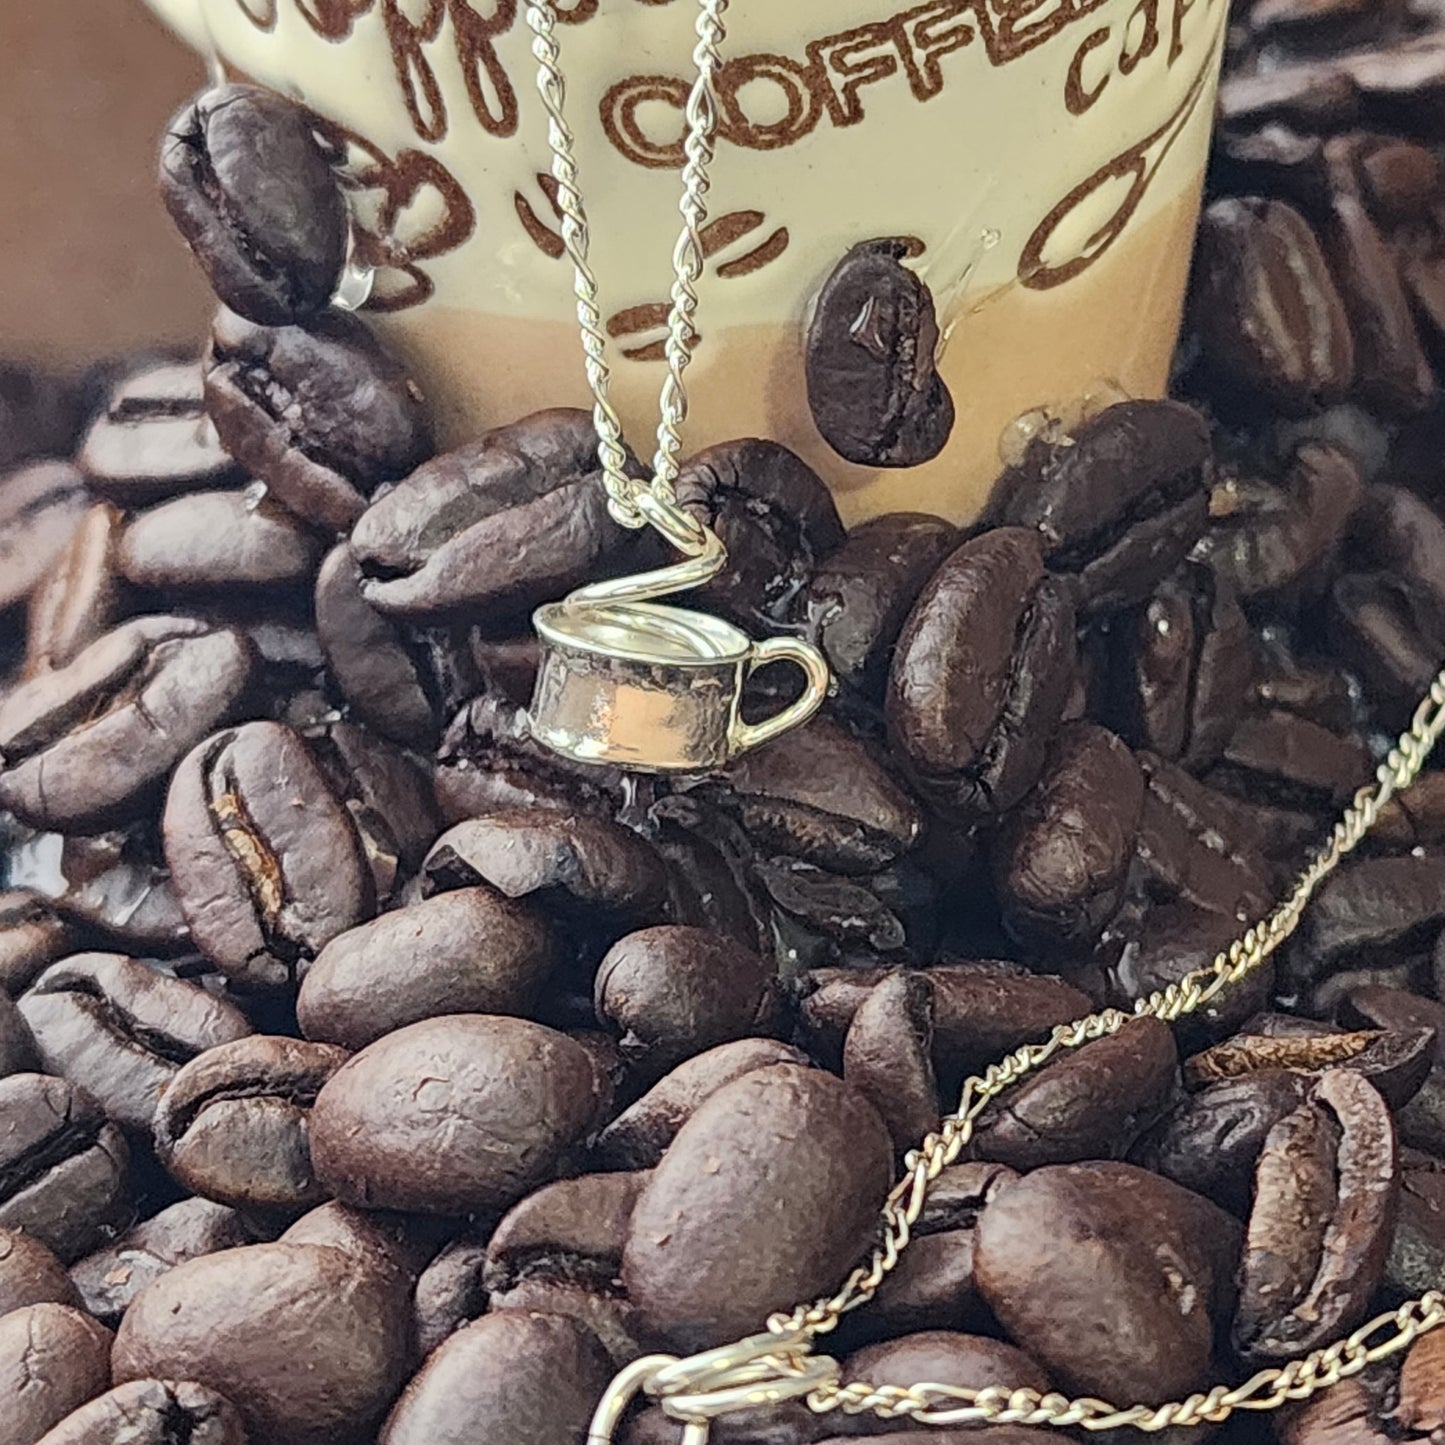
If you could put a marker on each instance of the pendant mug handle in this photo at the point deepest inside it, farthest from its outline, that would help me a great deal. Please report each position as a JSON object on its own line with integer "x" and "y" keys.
{"x": 745, "y": 736}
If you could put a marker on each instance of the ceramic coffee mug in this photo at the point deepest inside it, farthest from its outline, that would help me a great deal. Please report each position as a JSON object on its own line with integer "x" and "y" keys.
{"x": 1044, "y": 158}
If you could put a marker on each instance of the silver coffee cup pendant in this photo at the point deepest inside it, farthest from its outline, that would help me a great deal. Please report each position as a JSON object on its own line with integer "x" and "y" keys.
{"x": 657, "y": 689}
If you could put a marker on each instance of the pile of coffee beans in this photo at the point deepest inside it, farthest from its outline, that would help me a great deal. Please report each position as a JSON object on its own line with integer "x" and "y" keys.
{"x": 369, "y": 1076}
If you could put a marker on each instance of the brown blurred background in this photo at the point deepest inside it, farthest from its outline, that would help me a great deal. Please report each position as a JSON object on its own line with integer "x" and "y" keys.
{"x": 89, "y": 262}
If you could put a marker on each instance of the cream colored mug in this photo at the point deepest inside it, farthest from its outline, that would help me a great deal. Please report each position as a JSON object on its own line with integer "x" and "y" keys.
{"x": 1044, "y": 158}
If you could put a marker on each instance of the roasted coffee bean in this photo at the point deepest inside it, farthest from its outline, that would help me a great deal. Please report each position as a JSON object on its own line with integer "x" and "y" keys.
{"x": 1395, "y": 1061}
{"x": 597, "y": 880}
{"x": 268, "y": 865}
{"x": 775, "y": 517}
{"x": 154, "y": 440}
{"x": 981, "y": 675}
{"x": 1399, "y": 532}
{"x": 452, "y": 1115}
{"x": 873, "y": 387}
{"x": 560, "y": 1251}
{"x": 639, "y": 1136}
{"x": 1319, "y": 1233}
{"x": 402, "y": 1243}
{"x": 52, "y": 1360}
{"x": 449, "y": 1291}
{"x": 232, "y": 1124}
{"x": 1269, "y": 319}
{"x": 1185, "y": 848}
{"x": 767, "y": 1195}
{"x": 1390, "y": 632}
{"x": 1375, "y": 909}
{"x": 152, "y": 1412}
{"x": 1119, "y": 504}
{"x": 89, "y": 743}
{"x": 111, "y": 888}
{"x": 210, "y": 540}
{"x": 982, "y": 1010}
{"x": 468, "y": 951}
{"x": 1281, "y": 758}
{"x": 39, "y": 414}
{"x": 944, "y": 1357}
{"x": 1089, "y": 1104}
{"x": 1212, "y": 1140}
{"x": 321, "y": 413}
{"x": 1110, "y": 1277}
{"x": 858, "y": 598}
{"x": 372, "y": 659}
{"x": 817, "y": 794}
{"x": 672, "y": 992}
{"x": 80, "y": 598}
{"x": 514, "y": 519}
{"x": 517, "y": 1375}
{"x": 1062, "y": 858}
{"x": 1393, "y": 372}
{"x": 888, "y": 1056}
{"x": 30, "y": 1274}
{"x": 63, "y": 1167}
{"x": 1265, "y": 538}
{"x": 250, "y": 187}
{"x": 108, "y": 1280}
{"x": 1417, "y": 1252}
{"x": 32, "y": 935}
{"x": 822, "y": 918}
{"x": 1180, "y": 668}
{"x": 308, "y": 1347}
{"x": 121, "y": 1030}
{"x": 1312, "y": 687}
{"x": 933, "y": 1286}
{"x": 17, "y": 1046}
{"x": 40, "y": 508}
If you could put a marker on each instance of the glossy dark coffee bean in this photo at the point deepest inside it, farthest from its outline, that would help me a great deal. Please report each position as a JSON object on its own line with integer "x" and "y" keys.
{"x": 17, "y": 1046}
{"x": 121, "y": 1030}
{"x": 494, "y": 528}
{"x": 243, "y": 1321}
{"x": 888, "y": 1056}
{"x": 108, "y": 1280}
{"x": 1180, "y": 668}
{"x": 30, "y": 1274}
{"x": 1326, "y": 1187}
{"x": 321, "y": 413}
{"x": 268, "y": 864}
{"x": 251, "y": 189}
{"x": 981, "y": 674}
{"x": 775, "y": 517}
{"x": 1282, "y": 759}
{"x": 40, "y": 508}
{"x": 819, "y": 795}
{"x": 152, "y": 1412}
{"x": 873, "y": 387}
{"x": 858, "y": 598}
{"x": 639, "y": 1136}
{"x": 1062, "y": 858}
{"x": 712, "y": 1250}
{"x": 90, "y": 743}
{"x": 153, "y": 439}
{"x": 560, "y": 1251}
{"x": 1089, "y": 1267}
{"x": 1089, "y": 1104}
{"x": 1266, "y": 538}
{"x": 1417, "y": 1251}
{"x": 211, "y": 540}
{"x": 81, "y": 596}
{"x": 32, "y": 935}
{"x": 516, "y": 1375}
{"x": 1266, "y": 310}
{"x": 452, "y": 1115}
{"x": 1119, "y": 504}
{"x": 63, "y": 1167}
{"x": 1212, "y": 1140}
{"x": 232, "y": 1124}
{"x": 1390, "y": 632}
{"x": 373, "y": 660}
{"x": 467, "y": 951}
{"x": 1373, "y": 908}
{"x": 1421, "y": 1120}
{"x": 52, "y": 1360}
{"x": 673, "y": 992}
{"x": 595, "y": 879}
